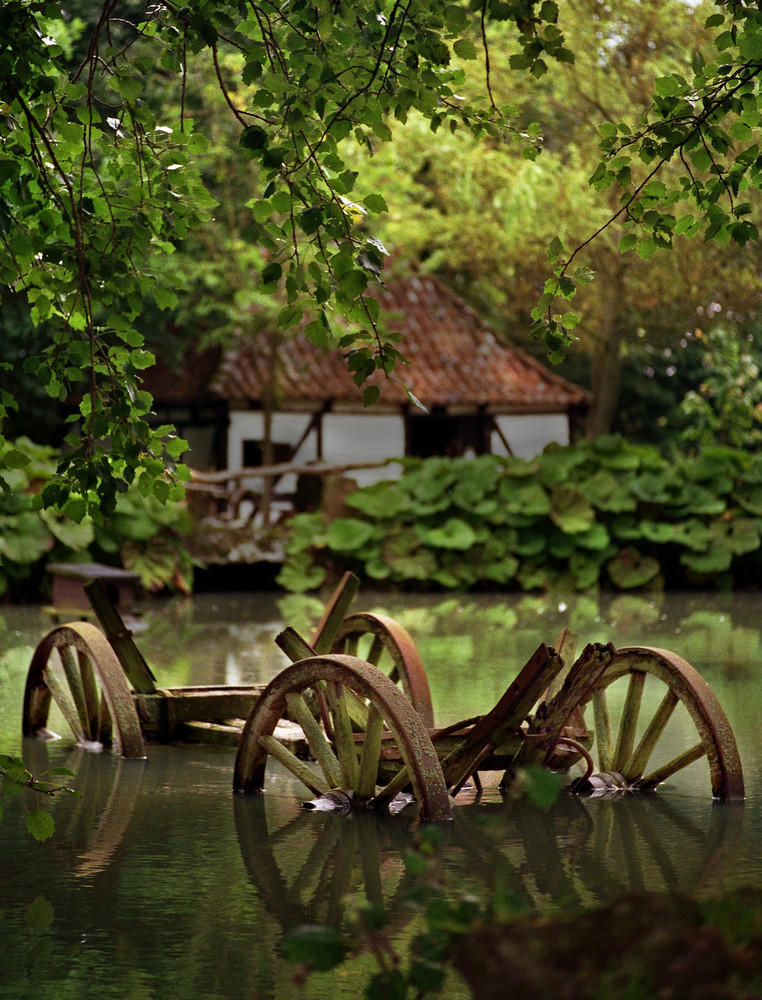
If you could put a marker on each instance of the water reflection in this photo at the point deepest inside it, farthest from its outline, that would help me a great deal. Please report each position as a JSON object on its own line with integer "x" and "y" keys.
{"x": 91, "y": 827}
{"x": 308, "y": 867}
{"x": 315, "y": 868}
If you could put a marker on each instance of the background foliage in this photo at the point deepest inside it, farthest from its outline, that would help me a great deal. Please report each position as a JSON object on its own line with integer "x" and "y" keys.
{"x": 140, "y": 534}
{"x": 605, "y": 512}
{"x": 123, "y": 123}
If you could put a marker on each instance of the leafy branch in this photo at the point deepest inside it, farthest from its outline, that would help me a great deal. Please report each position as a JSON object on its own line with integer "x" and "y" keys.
{"x": 685, "y": 126}
{"x": 15, "y": 777}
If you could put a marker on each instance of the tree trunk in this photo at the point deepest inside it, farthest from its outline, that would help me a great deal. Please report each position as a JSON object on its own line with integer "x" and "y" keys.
{"x": 268, "y": 399}
{"x": 607, "y": 362}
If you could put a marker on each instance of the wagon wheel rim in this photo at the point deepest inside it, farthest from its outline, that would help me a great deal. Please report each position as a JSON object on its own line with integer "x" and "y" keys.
{"x": 393, "y": 651}
{"x": 352, "y": 762}
{"x": 633, "y": 746}
{"x": 75, "y": 666}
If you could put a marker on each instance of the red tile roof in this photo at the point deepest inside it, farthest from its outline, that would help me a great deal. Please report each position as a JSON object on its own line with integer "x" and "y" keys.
{"x": 455, "y": 360}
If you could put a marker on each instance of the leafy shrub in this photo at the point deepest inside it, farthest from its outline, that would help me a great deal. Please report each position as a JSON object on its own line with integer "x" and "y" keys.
{"x": 601, "y": 513}
{"x": 143, "y": 534}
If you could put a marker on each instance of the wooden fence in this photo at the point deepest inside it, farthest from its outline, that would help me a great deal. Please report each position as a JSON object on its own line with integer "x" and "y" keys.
{"x": 252, "y": 495}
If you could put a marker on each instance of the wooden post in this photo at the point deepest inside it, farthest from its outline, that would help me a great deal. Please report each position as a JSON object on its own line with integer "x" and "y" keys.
{"x": 135, "y": 667}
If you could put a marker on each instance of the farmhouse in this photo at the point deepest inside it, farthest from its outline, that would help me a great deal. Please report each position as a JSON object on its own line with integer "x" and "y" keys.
{"x": 479, "y": 394}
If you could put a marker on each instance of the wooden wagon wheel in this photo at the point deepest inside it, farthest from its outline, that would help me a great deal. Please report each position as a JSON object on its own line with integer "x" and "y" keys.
{"x": 75, "y": 665}
{"x": 632, "y": 732}
{"x": 382, "y": 641}
{"x": 367, "y": 724}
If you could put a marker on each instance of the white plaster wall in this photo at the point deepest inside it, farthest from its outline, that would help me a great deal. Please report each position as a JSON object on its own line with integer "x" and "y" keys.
{"x": 350, "y": 437}
{"x": 248, "y": 425}
{"x": 528, "y": 434}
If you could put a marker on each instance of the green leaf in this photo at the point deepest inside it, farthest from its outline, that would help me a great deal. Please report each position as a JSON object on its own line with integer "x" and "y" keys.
{"x": 25, "y": 538}
{"x": 75, "y": 535}
{"x": 464, "y": 49}
{"x": 375, "y": 203}
{"x": 740, "y": 131}
{"x": 348, "y": 534}
{"x": 353, "y": 283}
{"x": 667, "y": 86}
{"x": 40, "y": 824}
{"x": 570, "y": 510}
{"x": 271, "y": 274}
{"x": 129, "y": 87}
{"x": 627, "y": 242}
{"x": 387, "y": 985}
{"x": 428, "y": 977}
{"x": 253, "y": 138}
{"x": 708, "y": 563}
{"x": 647, "y": 248}
{"x": 320, "y": 948}
{"x": 455, "y": 533}
{"x": 701, "y": 159}
{"x": 14, "y": 459}
{"x": 750, "y": 43}
{"x": 39, "y": 914}
{"x": 630, "y": 569}
{"x": 555, "y": 250}
{"x": 371, "y": 394}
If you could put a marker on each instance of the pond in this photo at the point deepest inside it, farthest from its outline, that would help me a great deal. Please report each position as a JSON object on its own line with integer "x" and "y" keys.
{"x": 160, "y": 883}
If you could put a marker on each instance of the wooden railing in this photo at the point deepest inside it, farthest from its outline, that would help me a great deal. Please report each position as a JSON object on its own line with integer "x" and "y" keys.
{"x": 249, "y": 494}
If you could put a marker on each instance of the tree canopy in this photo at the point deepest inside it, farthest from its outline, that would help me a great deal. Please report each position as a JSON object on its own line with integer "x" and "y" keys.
{"x": 104, "y": 174}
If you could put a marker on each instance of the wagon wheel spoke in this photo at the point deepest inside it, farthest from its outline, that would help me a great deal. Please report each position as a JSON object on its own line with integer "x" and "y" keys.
{"x": 105, "y": 730}
{"x": 307, "y": 775}
{"x": 57, "y": 681}
{"x": 75, "y": 667}
{"x": 629, "y": 721}
{"x": 677, "y": 763}
{"x": 361, "y": 859}
{"x": 73, "y": 674}
{"x": 639, "y": 759}
{"x": 392, "y": 788}
{"x": 91, "y": 692}
{"x": 317, "y": 741}
{"x": 355, "y": 757}
{"x": 603, "y": 737}
{"x": 374, "y": 655}
{"x": 370, "y": 754}
{"x": 382, "y": 641}
{"x": 665, "y": 721}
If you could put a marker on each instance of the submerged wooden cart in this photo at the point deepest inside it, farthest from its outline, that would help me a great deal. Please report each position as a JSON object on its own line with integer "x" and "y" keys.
{"x": 352, "y": 716}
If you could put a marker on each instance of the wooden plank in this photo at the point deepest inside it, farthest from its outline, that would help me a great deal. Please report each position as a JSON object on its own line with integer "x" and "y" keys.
{"x": 577, "y": 687}
{"x": 209, "y": 704}
{"x": 552, "y": 717}
{"x": 119, "y": 636}
{"x": 335, "y": 612}
{"x": 293, "y": 645}
{"x": 501, "y": 726}
{"x": 518, "y": 700}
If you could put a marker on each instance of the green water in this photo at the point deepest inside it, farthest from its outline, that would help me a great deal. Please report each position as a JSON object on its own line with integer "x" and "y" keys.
{"x": 160, "y": 883}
